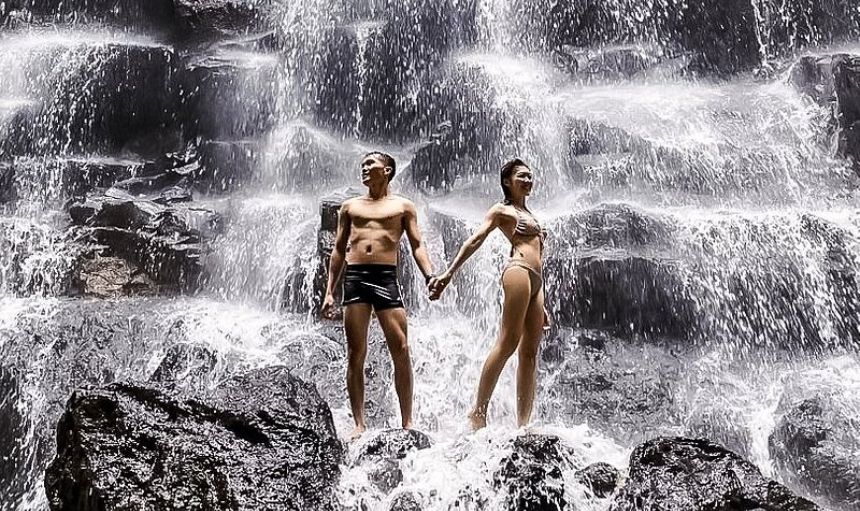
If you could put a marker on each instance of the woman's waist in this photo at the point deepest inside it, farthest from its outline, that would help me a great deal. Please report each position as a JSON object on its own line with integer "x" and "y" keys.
{"x": 534, "y": 263}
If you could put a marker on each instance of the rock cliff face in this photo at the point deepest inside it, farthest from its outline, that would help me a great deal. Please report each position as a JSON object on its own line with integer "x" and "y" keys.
{"x": 264, "y": 440}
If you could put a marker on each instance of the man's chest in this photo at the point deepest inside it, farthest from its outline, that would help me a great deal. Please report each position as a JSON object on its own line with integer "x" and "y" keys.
{"x": 381, "y": 215}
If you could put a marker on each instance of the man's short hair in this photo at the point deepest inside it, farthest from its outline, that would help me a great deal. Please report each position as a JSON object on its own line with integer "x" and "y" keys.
{"x": 387, "y": 160}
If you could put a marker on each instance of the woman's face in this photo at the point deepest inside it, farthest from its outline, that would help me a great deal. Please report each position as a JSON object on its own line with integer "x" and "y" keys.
{"x": 521, "y": 181}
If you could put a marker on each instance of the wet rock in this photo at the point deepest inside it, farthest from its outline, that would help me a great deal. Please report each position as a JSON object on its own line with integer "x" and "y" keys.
{"x": 846, "y": 78}
{"x": 600, "y": 478}
{"x": 470, "y": 132}
{"x": 353, "y": 99}
{"x": 12, "y": 431}
{"x": 603, "y": 382}
{"x": 393, "y": 444}
{"x": 111, "y": 277}
{"x": 218, "y": 19}
{"x": 469, "y": 499}
{"x": 532, "y": 473}
{"x": 815, "y": 446}
{"x": 165, "y": 241}
{"x": 800, "y": 23}
{"x": 149, "y": 14}
{"x": 381, "y": 456}
{"x": 834, "y": 81}
{"x": 680, "y": 473}
{"x": 7, "y": 182}
{"x": 617, "y": 63}
{"x": 108, "y": 95}
{"x": 625, "y": 291}
{"x": 722, "y": 426}
{"x": 262, "y": 440}
{"x": 227, "y": 164}
{"x": 405, "y": 501}
{"x": 721, "y": 35}
{"x": 229, "y": 95}
{"x": 184, "y": 365}
{"x": 17, "y": 121}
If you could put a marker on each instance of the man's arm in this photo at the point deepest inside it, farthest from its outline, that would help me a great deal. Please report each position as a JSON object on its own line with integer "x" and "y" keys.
{"x": 413, "y": 233}
{"x": 338, "y": 255}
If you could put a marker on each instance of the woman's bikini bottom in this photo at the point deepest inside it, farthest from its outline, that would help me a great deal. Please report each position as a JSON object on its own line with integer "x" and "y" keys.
{"x": 535, "y": 277}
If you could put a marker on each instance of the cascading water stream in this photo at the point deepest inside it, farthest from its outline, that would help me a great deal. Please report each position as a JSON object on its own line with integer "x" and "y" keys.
{"x": 704, "y": 236}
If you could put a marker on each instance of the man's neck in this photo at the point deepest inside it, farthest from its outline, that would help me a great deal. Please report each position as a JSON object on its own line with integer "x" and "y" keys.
{"x": 377, "y": 192}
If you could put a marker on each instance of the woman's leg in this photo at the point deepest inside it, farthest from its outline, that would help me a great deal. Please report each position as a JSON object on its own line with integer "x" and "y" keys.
{"x": 528, "y": 352}
{"x": 517, "y": 287}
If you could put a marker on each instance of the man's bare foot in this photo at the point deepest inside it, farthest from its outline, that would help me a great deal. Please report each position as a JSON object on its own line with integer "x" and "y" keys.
{"x": 477, "y": 420}
{"x": 357, "y": 432}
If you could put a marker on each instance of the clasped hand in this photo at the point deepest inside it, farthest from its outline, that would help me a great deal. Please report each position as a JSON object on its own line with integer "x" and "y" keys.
{"x": 437, "y": 284}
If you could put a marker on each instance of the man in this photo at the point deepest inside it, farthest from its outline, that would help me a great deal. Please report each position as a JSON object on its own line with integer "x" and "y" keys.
{"x": 368, "y": 236}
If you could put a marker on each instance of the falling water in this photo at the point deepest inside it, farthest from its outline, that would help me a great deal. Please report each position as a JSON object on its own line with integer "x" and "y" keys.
{"x": 704, "y": 233}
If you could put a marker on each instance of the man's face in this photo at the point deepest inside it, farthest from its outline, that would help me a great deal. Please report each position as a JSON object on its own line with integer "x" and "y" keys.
{"x": 373, "y": 170}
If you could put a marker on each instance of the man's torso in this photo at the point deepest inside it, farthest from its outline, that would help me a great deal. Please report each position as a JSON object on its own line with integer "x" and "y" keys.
{"x": 376, "y": 227}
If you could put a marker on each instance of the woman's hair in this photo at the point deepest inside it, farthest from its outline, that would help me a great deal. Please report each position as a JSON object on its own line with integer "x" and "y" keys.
{"x": 507, "y": 172}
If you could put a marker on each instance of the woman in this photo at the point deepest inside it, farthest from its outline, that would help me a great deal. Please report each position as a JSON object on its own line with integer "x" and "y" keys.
{"x": 523, "y": 313}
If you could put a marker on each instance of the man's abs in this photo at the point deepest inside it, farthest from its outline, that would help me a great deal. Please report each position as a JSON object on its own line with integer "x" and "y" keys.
{"x": 372, "y": 248}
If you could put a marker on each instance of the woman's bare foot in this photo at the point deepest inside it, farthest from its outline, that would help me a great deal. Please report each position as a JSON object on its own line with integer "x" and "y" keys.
{"x": 357, "y": 432}
{"x": 407, "y": 424}
{"x": 477, "y": 420}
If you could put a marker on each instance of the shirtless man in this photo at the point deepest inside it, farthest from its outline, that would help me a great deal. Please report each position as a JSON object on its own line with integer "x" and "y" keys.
{"x": 368, "y": 235}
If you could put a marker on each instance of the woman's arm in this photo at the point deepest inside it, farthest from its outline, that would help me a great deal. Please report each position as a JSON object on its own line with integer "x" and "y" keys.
{"x": 491, "y": 221}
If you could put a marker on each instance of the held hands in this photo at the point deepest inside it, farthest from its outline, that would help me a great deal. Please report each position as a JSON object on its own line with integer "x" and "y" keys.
{"x": 437, "y": 284}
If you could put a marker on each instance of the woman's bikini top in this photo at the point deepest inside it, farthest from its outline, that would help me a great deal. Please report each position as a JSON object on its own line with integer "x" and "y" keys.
{"x": 528, "y": 226}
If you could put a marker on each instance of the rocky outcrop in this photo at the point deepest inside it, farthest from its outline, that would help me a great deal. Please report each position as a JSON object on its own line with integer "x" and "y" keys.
{"x": 531, "y": 474}
{"x": 834, "y": 81}
{"x": 381, "y": 457}
{"x": 816, "y": 446}
{"x": 668, "y": 474}
{"x": 12, "y": 429}
{"x": 215, "y": 19}
{"x": 264, "y": 440}
{"x": 602, "y": 381}
{"x": 185, "y": 365}
{"x": 600, "y": 478}
{"x": 110, "y": 277}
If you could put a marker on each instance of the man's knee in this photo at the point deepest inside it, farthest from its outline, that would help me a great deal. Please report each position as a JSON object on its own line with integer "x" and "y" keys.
{"x": 398, "y": 347}
{"x": 356, "y": 354}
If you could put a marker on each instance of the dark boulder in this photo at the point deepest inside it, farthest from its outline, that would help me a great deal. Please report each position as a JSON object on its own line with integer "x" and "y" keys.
{"x": 601, "y": 380}
{"x": 110, "y": 277}
{"x": 12, "y": 432}
{"x": 156, "y": 14}
{"x": 720, "y": 33}
{"x": 816, "y": 446}
{"x": 668, "y": 474}
{"x": 723, "y": 426}
{"x": 166, "y": 241}
{"x": 531, "y": 475}
{"x": 7, "y": 182}
{"x": 229, "y": 95}
{"x": 226, "y": 165}
{"x": 381, "y": 455}
{"x": 114, "y": 93}
{"x": 185, "y": 365}
{"x": 794, "y": 24}
{"x": 393, "y": 444}
{"x": 262, "y": 440}
{"x": 220, "y": 19}
{"x": 834, "y": 81}
{"x": 406, "y": 501}
{"x": 413, "y": 37}
{"x": 600, "y": 478}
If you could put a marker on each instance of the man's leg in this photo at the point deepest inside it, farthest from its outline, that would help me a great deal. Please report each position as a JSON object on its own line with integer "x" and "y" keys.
{"x": 393, "y": 323}
{"x": 356, "y": 318}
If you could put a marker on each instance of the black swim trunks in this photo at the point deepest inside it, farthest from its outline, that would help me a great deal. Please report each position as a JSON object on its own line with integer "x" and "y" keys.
{"x": 375, "y": 284}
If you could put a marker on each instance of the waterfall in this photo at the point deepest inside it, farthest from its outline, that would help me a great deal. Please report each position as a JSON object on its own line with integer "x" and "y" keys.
{"x": 701, "y": 268}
